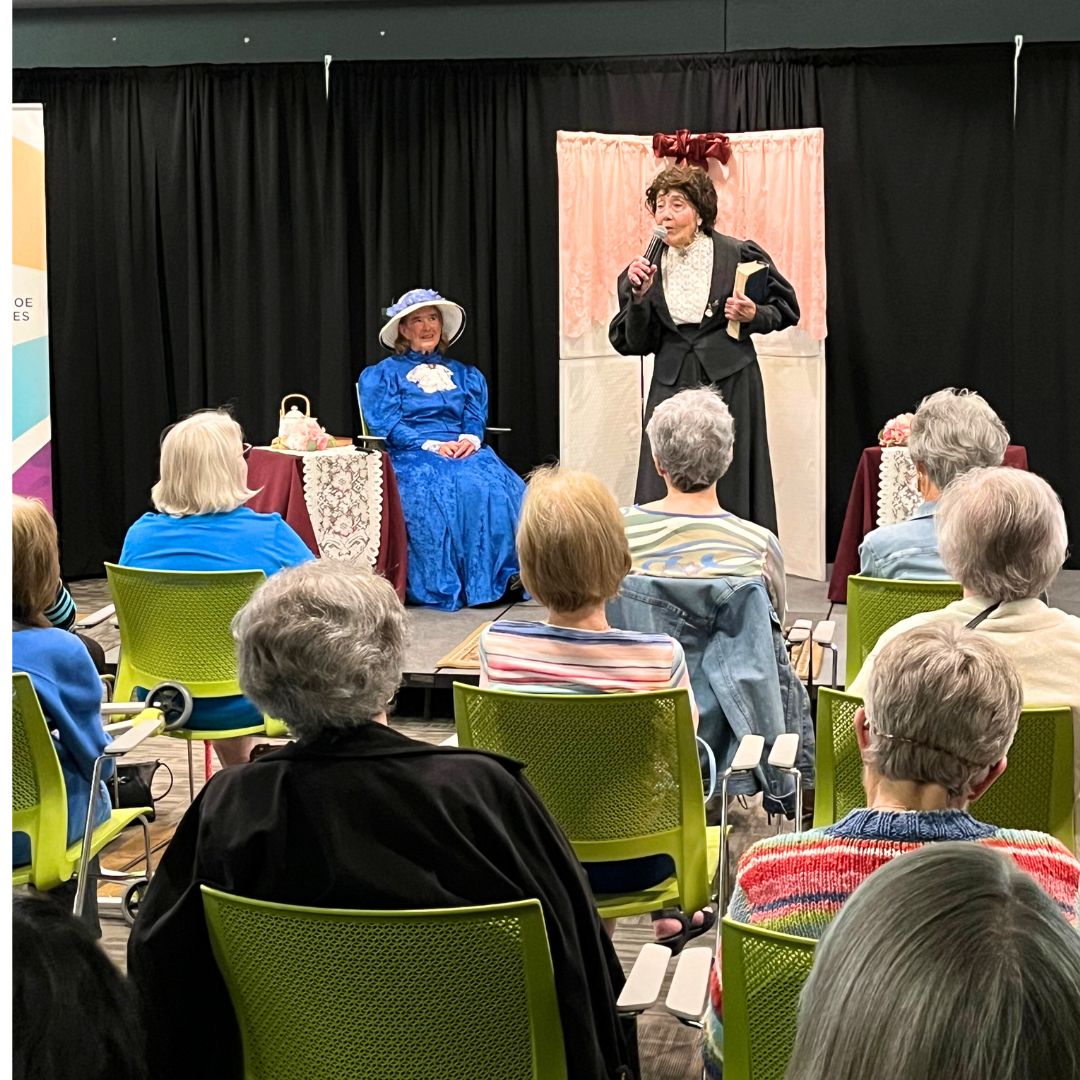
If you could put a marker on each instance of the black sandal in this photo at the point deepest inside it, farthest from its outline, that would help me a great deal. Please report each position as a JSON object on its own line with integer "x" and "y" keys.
{"x": 676, "y": 942}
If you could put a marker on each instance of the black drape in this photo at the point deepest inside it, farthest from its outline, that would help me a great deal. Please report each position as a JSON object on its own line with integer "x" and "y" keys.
{"x": 217, "y": 233}
{"x": 191, "y": 263}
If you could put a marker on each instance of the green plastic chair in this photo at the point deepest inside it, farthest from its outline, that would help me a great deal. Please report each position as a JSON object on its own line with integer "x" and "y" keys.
{"x": 618, "y": 772}
{"x": 838, "y": 767}
{"x": 1034, "y": 792}
{"x": 875, "y": 604}
{"x": 175, "y": 627}
{"x": 39, "y": 805}
{"x": 763, "y": 975}
{"x": 457, "y": 993}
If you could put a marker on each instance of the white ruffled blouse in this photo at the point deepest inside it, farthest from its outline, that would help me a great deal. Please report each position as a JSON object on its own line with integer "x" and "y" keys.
{"x": 687, "y": 276}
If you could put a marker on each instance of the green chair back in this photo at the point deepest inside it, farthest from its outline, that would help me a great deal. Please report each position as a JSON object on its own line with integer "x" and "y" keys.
{"x": 39, "y": 794}
{"x": 875, "y": 604}
{"x": 618, "y": 772}
{"x": 838, "y": 767}
{"x": 1036, "y": 790}
{"x": 763, "y": 973}
{"x": 459, "y": 994}
{"x": 174, "y": 627}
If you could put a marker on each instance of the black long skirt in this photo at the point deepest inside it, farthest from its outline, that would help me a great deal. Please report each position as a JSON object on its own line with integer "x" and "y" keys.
{"x": 746, "y": 489}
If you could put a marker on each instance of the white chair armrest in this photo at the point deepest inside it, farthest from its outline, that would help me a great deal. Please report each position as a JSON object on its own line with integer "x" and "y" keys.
{"x": 153, "y": 724}
{"x": 96, "y": 617}
{"x": 748, "y": 755}
{"x": 451, "y": 741}
{"x": 824, "y": 632}
{"x": 642, "y": 988}
{"x": 690, "y": 984}
{"x": 784, "y": 751}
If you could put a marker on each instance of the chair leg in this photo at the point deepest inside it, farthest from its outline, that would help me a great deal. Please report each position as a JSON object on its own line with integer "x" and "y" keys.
{"x": 208, "y": 761}
{"x": 145, "y": 825}
{"x": 190, "y": 773}
{"x": 88, "y": 835}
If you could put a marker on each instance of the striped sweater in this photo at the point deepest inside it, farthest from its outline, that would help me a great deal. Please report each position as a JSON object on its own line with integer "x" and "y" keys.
{"x": 796, "y": 883}
{"x": 663, "y": 544}
{"x": 535, "y": 658}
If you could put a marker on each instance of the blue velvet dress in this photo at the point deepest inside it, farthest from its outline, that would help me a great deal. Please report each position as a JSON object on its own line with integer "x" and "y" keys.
{"x": 460, "y": 514}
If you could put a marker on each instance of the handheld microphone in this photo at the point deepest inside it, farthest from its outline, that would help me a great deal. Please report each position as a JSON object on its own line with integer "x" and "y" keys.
{"x": 656, "y": 245}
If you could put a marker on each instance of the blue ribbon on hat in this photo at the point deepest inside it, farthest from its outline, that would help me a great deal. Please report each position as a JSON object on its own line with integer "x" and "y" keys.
{"x": 410, "y": 299}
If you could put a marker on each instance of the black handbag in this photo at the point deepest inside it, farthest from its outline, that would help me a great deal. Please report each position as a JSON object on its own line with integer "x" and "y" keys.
{"x": 133, "y": 785}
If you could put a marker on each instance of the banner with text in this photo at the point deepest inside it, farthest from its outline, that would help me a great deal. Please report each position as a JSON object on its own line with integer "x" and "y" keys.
{"x": 31, "y": 451}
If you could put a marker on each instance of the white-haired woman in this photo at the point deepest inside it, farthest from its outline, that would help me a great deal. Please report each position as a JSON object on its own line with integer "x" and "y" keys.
{"x": 952, "y": 431}
{"x": 948, "y": 964}
{"x": 460, "y": 501}
{"x": 1003, "y": 537}
{"x": 356, "y": 815}
{"x": 688, "y": 533}
{"x": 202, "y": 523}
{"x": 941, "y": 711}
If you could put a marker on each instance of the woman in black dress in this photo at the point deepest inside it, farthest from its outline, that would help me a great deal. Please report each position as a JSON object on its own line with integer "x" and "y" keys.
{"x": 683, "y": 319}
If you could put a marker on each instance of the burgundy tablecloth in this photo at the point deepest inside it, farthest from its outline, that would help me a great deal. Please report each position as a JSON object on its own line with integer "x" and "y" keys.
{"x": 281, "y": 478}
{"x": 861, "y": 515}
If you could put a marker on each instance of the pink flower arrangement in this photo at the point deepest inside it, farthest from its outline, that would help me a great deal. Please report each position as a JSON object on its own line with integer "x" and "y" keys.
{"x": 307, "y": 435}
{"x": 896, "y": 431}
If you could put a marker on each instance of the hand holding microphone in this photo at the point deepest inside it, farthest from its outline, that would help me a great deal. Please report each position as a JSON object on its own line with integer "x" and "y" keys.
{"x": 643, "y": 269}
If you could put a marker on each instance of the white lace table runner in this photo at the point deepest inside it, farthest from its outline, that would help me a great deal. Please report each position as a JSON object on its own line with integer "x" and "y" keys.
{"x": 344, "y": 496}
{"x": 898, "y": 494}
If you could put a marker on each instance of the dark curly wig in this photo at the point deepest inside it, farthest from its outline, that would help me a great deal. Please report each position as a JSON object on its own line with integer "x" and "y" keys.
{"x": 693, "y": 182}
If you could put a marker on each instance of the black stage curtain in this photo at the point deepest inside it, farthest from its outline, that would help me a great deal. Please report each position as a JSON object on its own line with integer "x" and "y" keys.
{"x": 213, "y": 238}
{"x": 192, "y": 263}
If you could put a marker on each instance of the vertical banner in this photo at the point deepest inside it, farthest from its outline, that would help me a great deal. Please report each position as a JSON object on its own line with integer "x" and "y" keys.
{"x": 31, "y": 451}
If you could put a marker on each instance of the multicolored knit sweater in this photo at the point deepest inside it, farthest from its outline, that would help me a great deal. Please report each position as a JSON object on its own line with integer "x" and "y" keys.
{"x": 797, "y": 882}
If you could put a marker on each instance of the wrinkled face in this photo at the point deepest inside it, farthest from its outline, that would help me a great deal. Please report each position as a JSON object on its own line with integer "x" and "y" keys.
{"x": 422, "y": 329}
{"x": 678, "y": 215}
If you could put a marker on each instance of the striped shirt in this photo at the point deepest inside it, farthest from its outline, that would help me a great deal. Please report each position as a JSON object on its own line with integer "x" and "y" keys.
{"x": 535, "y": 658}
{"x": 796, "y": 883}
{"x": 704, "y": 545}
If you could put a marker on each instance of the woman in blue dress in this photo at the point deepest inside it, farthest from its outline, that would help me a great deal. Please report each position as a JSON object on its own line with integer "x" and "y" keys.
{"x": 460, "y": 501}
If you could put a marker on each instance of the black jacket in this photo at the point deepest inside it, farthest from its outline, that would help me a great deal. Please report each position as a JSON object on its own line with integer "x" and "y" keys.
{"x": 647, "y": 327}
{"x": 371, "y": 819}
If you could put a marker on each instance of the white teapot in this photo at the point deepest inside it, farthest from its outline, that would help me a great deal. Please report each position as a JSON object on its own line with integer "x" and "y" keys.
{"x": 291, "y": 419}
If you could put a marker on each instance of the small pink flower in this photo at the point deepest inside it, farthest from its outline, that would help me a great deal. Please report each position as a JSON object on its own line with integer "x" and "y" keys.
{"x": 896, "y": 431}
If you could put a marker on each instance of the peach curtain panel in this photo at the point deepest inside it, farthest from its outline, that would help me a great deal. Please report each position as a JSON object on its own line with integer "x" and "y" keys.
{"x": 772, "y": 191}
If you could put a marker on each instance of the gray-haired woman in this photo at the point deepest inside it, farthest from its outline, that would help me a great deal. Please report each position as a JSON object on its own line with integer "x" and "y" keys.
{"x": 1003, "y": 537}
{"x": 688, "y": 534}
{"x": 355, "y": 815}
{"x": 948, "y": 964}
{"x": 952, "y": 431}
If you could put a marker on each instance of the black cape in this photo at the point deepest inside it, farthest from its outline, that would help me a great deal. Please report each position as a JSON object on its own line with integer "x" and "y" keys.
{"x": 371, "y": 819}
{"x": 688, "y": 356}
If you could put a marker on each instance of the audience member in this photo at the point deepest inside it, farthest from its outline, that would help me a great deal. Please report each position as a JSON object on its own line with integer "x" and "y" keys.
{"x": 1002, "y": 535}
{"x": 64, "y": 677}
{"x": 942, "y": 706}
{"x": 687, "y": 533}
{"x": 202, "y": 524}
{"x": 948, "y": 964}
{"x": 952, "y": 431}
{"x": 355, "y": 815}
{"x": 73, "y": 1013}
{"x": 573, "y": 555}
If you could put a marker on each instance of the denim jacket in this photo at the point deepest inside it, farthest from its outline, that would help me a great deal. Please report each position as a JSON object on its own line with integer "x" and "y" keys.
{"x": 739, "y": 668}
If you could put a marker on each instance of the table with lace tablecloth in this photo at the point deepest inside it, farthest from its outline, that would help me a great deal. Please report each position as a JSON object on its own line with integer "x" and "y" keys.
{"x": 882, "y": 493}
{"x": 342, "y": 503}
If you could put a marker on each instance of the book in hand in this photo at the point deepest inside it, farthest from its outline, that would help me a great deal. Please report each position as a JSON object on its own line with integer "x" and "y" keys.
{"x": 750, "y": 280}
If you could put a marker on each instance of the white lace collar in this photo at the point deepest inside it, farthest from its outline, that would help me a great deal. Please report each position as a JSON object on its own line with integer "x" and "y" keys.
{"x": 432, "y": 377}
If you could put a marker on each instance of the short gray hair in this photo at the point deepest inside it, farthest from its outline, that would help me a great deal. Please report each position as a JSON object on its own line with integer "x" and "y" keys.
{"x": 321, "y": 646}
{"x": 693, "y": 437}
{"x": 953, "y": 431}
{"x": 948, "y": 961}
{"x": 943, "y": 703}
{"x": 1001, "y": 533}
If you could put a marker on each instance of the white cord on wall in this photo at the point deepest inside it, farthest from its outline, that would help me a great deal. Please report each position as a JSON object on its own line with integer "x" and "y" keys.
{"x": 1019, "y": 41}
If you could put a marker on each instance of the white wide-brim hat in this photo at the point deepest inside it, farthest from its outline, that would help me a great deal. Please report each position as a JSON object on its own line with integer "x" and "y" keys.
{"x": 453, "y": 315}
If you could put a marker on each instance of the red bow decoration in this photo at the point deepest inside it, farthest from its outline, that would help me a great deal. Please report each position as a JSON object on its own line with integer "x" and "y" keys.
{"x": 693, "y": 149}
